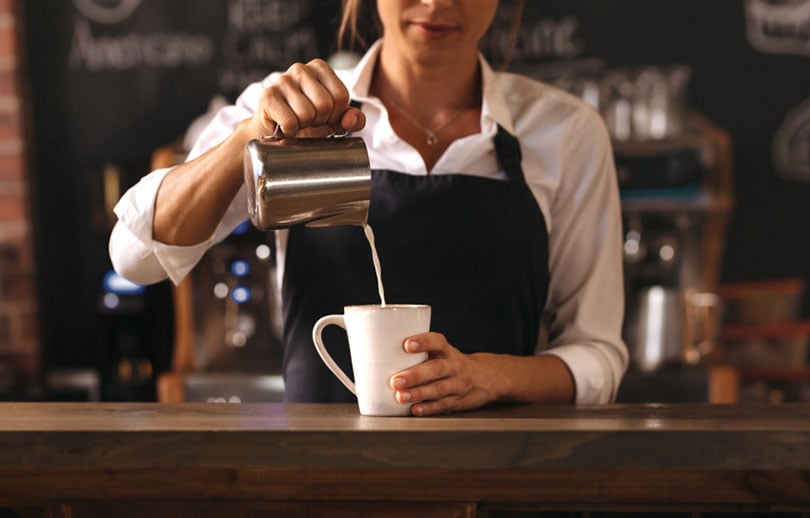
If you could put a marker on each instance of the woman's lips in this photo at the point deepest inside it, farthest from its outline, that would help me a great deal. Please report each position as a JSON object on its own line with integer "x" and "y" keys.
{"x": 433, "y": 30}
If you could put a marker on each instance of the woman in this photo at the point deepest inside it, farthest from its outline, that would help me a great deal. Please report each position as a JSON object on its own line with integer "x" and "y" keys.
{"x": 494, "y": 198}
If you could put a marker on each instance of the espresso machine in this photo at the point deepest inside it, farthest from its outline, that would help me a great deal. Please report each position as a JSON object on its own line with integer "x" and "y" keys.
{"x": 666, "y": 207}
{"x": 676, "y": 199}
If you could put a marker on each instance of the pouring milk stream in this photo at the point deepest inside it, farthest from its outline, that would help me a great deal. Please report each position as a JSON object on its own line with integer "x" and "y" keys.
{"x": 376, "y": 260}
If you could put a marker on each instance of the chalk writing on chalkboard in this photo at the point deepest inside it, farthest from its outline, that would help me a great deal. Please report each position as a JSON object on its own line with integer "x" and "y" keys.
{"x": 107, "y": 11}
{"x": 779, "y": 26}
{"x": 783, "y": 27}
{"x": 791, "y": 145}
{"x": 538, "y": 39}
{"x": 132, "y": 50}
{"x": 264, "y": 35}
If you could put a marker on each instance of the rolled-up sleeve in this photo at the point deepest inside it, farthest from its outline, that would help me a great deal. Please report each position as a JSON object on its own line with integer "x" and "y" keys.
{"x": 133, "y": 251}
{"x": 586, "y": 296}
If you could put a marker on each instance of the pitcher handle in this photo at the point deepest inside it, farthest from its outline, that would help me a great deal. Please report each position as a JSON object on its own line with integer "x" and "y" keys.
{"x": 317, "y": 339}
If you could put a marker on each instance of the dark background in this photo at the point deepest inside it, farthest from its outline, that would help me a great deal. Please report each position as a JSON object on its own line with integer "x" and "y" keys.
{"x": 111, "y": 93}
{"x": 744, "y": 91}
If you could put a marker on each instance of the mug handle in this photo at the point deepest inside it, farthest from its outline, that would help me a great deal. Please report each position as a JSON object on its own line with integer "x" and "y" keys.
{"x": 317, "y": 339}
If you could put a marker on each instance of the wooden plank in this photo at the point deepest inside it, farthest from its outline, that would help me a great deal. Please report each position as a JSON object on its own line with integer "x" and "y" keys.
{"x": 272, "y": 417}
{"x": 249, "y": 509}
{"x": 626, "y": 487}
{"x": 730, "y": 450}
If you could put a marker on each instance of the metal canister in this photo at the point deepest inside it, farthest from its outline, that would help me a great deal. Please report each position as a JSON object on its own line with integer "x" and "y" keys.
{"x": 317, "y": 182}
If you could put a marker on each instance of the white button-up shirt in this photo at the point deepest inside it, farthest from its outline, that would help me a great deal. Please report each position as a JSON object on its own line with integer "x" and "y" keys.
{"x": 568, "y": 165}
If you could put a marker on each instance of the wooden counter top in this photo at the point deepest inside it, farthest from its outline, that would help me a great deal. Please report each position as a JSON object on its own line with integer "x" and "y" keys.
{"x": 706, "y": 455}
{"x": 137, "y": 435}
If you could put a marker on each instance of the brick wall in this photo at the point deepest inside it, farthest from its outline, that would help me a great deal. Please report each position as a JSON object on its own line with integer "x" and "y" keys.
{"x": 19, "y": 341}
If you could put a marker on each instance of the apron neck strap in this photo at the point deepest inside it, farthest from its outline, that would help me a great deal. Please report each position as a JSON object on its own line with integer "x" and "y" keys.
{"x": 507, "y": 149}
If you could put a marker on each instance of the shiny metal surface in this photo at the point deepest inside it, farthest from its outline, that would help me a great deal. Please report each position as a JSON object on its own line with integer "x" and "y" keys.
{"x": 318, "y": 182}
{"x": 673, "y": 326}
{"x": 233, "y": 387}
{"x": 656, "y": 328}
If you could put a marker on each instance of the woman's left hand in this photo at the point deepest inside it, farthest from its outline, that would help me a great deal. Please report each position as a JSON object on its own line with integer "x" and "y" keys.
{"x": 448, "y": 381}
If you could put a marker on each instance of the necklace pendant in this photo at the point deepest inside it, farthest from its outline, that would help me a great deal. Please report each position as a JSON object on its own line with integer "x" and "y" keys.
{"x": 432, "y": 138}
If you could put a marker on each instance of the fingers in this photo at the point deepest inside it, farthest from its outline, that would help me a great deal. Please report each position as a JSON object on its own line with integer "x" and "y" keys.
{"x": 431, "y": 343}
{"x": 353, "y": 119}
{"x": 274, "y": 110}
{"x": 308, "y": 96}
{"x": 434, "y": 391}
{"x": 447, "y": 396}
{"x": 434, "y": 384}
{"x": 439, "y": 406}
{"x": 435, "y": 344}
{"x": 314, "y": 93}
{"x": 448, "y": 381}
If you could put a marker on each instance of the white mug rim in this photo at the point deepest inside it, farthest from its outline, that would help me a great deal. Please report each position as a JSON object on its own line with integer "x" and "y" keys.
{"x": 380, "y": 307}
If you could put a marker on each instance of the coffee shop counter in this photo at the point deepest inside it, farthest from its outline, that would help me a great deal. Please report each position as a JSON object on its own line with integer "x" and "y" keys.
{"x": 136, "y": 459}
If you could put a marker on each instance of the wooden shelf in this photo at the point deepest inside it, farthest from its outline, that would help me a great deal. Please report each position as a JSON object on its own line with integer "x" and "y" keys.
{"x": 788, "y": 374}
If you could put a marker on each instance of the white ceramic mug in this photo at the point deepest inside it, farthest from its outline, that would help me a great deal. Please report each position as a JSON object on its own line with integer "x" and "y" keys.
{"x": 377, "y": 346}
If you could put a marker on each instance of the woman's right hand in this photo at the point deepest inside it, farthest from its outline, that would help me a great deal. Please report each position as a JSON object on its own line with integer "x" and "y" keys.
{"x": 308, "y": 100}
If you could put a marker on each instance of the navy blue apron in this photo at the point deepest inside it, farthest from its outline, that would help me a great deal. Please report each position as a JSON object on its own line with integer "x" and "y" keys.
{"x": 475, "y": 249}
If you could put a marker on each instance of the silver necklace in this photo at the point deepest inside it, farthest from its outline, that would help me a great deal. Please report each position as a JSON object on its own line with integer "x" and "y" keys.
{"x": 432, "y": 135}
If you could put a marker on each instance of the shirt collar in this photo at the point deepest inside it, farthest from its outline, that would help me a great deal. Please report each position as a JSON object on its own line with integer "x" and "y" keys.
{"x": 361, "y": 76}
{"x": 493, "y": 109}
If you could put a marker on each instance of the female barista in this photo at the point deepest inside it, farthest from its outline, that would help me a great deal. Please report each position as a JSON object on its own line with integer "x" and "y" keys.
{"x": 494, "y": 200}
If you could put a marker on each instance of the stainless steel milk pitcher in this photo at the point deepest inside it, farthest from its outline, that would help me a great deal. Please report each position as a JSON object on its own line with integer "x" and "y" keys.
{"x": 318, "y": 182}
{"x": 672, "y": 326}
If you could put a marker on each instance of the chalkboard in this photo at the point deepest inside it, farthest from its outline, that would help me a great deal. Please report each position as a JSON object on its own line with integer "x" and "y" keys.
{"x": 131, "y": 74}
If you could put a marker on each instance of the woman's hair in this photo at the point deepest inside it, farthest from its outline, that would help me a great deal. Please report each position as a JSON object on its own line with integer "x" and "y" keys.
{"x": 353, "y": 15}
{"x": 348, "y": 25}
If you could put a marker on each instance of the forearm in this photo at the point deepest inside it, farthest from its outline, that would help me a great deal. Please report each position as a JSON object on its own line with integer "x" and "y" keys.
{"x": 194, "y": 196}
{"x": 529, "y": 379}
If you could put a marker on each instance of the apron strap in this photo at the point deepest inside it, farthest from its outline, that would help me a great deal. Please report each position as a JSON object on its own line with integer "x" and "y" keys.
{"x": 507, "y": 149}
